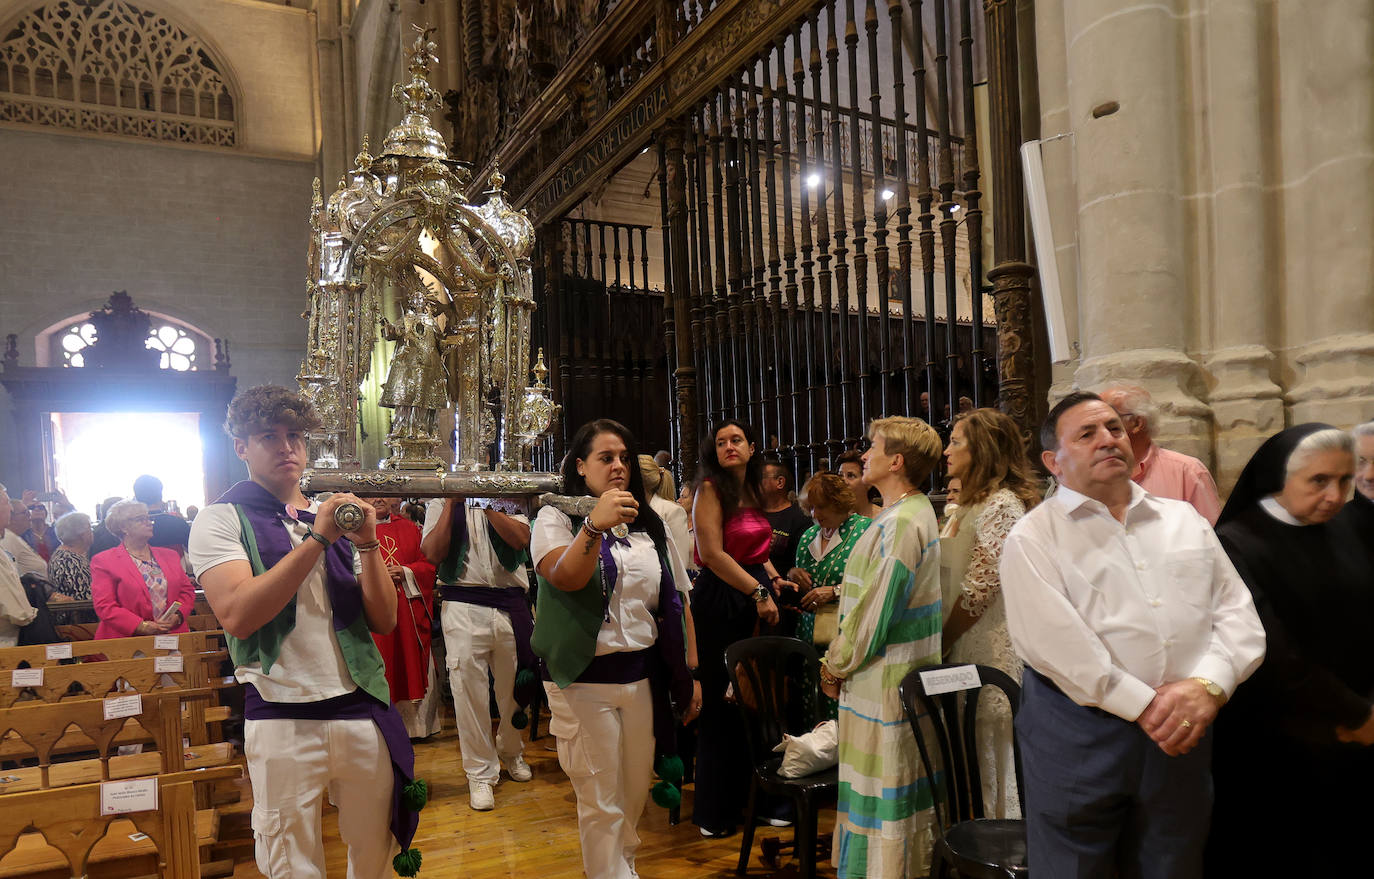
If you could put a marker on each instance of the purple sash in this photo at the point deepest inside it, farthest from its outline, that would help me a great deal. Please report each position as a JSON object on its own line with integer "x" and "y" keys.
{"x": 357, "y": 705}
{"x": 267, "y": 514}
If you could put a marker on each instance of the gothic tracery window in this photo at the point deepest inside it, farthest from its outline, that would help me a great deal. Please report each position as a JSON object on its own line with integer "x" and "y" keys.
{"x": 176, "y": 344}
{"x": 108, "y": 67}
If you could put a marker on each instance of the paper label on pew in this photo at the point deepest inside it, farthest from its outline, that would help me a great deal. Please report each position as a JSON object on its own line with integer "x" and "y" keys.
{"x": 166, "y": 642}
{"x": 138, "y": 795}
{"x": 123, "y": 706}
{"x": 26, "y": 677}
{"x": 948, "y": 680}
{"x": 59, "y": 651}
{"x": 169, "y": 663}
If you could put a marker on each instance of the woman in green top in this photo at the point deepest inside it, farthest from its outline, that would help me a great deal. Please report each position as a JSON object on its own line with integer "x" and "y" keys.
{"x": 822, "y": 554}
{"x": 821, "y": 557}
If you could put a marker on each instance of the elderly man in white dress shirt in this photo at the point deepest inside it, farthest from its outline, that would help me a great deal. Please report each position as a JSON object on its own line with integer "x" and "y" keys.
{"x": 1135, "y": 629}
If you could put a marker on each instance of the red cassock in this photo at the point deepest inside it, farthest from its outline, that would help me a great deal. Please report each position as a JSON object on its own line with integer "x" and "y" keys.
{"x": 406, "y": 650}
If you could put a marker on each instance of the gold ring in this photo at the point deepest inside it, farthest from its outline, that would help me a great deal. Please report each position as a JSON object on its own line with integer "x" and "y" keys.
{"x": 1186, "y": 724}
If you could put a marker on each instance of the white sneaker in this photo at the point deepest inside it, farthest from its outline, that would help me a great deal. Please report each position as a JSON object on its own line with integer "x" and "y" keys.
{"x": 480, "y": 796}
{"x": 519, "y": 770}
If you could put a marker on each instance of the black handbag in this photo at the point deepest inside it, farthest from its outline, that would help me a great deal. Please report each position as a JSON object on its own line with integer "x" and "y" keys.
{"x": 41, "y": 630}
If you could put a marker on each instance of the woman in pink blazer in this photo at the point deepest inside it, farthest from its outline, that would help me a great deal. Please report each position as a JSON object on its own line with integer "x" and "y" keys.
{"x": 134, "y": 584}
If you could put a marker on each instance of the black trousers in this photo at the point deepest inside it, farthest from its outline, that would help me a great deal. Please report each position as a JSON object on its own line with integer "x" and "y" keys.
{"x": 723, "y": 615}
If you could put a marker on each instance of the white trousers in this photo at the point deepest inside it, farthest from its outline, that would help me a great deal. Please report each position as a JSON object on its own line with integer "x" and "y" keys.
{"x": 292, "y": 764}
{"x": 605, "y": 738}
{"x": 477, "y": 639}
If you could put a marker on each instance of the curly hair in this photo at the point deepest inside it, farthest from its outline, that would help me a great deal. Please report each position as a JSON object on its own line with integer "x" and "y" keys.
{"x": 121, "y": 515}
{"x": 264, "y": 407}
{"x": 826, "y": 490}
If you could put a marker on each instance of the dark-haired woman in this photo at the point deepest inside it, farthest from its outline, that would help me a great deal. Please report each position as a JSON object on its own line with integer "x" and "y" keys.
{"x": 1302, "y": 727}
{"x": 610, "y": 628}
{"x": 733, "y": 594}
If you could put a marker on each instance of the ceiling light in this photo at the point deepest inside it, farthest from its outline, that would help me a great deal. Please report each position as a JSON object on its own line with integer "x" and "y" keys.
{"x": 887, "y": 194}
{"x": 813, "y": 180}
{"x": 954, "y": 209}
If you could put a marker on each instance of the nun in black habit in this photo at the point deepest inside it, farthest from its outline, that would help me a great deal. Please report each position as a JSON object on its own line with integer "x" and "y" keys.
{"x": 1293, "y": 766}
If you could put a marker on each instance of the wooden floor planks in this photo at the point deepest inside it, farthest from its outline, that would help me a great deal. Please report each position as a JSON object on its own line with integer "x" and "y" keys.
{"x": 532, "y": 832}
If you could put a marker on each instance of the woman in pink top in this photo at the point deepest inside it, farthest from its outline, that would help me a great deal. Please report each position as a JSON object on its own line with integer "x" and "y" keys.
{"x": 734, "y": 592}
{"x": 135, "y": 586}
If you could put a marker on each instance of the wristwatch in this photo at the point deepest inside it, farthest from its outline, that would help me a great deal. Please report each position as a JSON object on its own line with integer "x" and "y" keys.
{"x": 1213, "y": 690}
{"x": 761, "y": 594}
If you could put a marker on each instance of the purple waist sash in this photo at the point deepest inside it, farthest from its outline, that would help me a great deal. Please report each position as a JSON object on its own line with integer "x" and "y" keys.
{"x": 624, "y": 667}
{"x": 357, "y": 705}
{"x": 510, "y": 599}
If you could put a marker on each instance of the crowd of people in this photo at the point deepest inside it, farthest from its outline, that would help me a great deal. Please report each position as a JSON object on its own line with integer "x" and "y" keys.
{"x": 1181, "y": 661}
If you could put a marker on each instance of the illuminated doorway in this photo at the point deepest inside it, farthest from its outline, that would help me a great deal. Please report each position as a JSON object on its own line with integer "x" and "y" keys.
{"x": 99, "y": 454}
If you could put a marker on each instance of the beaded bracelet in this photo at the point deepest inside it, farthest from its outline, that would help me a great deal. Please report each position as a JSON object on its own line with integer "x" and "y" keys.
{"x": 367, "y": 547}
{"x": 828, "y": 677}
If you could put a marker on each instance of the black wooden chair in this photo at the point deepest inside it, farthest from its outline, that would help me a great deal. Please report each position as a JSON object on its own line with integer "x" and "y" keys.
{"x": 768, "y": 675}
{"x": 968, "y": 842}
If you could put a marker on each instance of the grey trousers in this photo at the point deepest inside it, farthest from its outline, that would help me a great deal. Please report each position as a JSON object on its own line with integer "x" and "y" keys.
{"x": 1102, "y": 799}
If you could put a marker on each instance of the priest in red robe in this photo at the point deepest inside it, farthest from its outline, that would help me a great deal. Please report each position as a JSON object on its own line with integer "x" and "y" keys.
{"x": 406, "y": 651}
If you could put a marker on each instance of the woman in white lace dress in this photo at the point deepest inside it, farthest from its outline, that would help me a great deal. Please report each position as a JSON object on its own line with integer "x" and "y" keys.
{"x": 986, "y": 453}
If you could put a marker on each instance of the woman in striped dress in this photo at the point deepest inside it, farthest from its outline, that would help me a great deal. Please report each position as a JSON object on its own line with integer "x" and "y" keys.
{"x": 889, "y": 624}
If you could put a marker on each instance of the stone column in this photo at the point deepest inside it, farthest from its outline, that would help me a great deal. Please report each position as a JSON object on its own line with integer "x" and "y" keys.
{"x": 1126, "y": 68}
{"x": 1325, "y": 79}
{"x": 1246, "y": 402}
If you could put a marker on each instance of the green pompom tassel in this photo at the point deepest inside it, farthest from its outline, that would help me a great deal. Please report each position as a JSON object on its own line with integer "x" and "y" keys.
{"x": 670, "y": 769}
{"x": 524, "y": 678}
{"x": 520, "y": 719}
{"x": 415, "y": 794}
{"x": 407, "y": 863}
{"x": 666, "y": 795}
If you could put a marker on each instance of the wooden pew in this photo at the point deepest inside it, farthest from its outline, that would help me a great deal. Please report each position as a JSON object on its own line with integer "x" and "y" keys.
{"x": 69, "y": 820}
{"x": 36, "y": 728}
{"x": 60, "y": 801}
{"x": 188, "y": 644}
{"x": 203, "y": 655}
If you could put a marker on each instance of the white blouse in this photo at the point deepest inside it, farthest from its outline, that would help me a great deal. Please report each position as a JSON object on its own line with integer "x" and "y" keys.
{"x": 634, "y": 599}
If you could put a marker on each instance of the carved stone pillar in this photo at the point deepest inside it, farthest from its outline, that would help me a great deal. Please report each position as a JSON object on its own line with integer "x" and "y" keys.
{"x": 1246, "y": 402}
{"x": 676, "y": 296}
{"x": 1127, "y": 91}
{"x": 1010, "y": 277}
{"x": 1327, "y": 144}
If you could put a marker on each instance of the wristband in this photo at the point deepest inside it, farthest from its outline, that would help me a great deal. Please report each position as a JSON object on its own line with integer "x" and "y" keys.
{"x": 367, "y": 547}
{"x": 312, "y": 533}
{"x": 591, "y": 529}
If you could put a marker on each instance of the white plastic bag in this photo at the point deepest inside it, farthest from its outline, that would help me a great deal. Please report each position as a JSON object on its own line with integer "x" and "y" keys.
{"x": 811, "y": 753}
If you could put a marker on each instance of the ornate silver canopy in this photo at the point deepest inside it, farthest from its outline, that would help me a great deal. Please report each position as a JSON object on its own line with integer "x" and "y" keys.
{"x": 458, "y": 279}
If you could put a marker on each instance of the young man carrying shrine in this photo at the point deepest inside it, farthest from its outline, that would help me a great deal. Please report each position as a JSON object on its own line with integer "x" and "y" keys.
{"x": 298, "y": 600}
